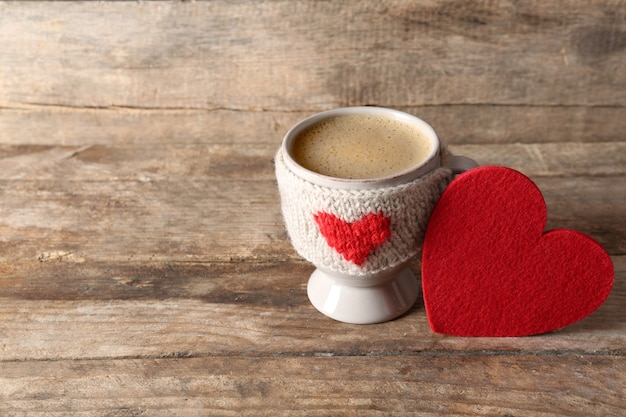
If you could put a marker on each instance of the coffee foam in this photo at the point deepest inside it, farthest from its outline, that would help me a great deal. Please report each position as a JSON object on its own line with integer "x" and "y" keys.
{"x": 361, "y": 147}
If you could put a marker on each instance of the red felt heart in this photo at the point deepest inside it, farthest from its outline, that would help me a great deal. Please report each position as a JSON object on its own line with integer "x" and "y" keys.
{"x": 354, "y": 241}
{"x": 488, "y": 268}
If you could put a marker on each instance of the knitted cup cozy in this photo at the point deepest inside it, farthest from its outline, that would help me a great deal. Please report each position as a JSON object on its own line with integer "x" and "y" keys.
{"x": 358, "y": 232}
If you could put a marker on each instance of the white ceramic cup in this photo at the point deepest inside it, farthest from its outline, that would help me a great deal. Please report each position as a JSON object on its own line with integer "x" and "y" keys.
{"x": 360, "y": 278}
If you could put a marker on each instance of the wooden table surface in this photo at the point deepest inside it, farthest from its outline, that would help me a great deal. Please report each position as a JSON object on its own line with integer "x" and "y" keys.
{"x": 144, "y": 266}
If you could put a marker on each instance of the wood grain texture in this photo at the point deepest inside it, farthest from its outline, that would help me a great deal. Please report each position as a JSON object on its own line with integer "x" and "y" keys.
{"x": 254, "y": 162}
{"x": 545, "y": 386}
{"x": 144, "y": 266}
{"x": 285, "y": 55}
{"x": 64, "y": 308}
{"x": 455, "y": 124}
{"x": 216, "y": 203}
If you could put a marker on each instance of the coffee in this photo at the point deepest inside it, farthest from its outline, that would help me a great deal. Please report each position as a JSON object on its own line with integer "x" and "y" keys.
{"x": 360, "y": 146}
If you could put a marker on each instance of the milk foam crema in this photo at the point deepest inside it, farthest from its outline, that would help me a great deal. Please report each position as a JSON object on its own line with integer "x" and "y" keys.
{"x": 359, "y": 146}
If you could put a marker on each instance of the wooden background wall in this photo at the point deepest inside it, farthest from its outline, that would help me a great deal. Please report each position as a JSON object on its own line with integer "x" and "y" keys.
{"x": 138, "y": 200}
{"x": 537, "y": 81}
{"x": 483, "y": 71}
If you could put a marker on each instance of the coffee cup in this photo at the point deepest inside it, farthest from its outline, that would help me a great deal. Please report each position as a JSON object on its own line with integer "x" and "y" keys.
{"x": 357, "y": 187}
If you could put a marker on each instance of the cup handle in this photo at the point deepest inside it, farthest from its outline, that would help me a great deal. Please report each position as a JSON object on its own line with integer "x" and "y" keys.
{"x": 459, "y": 164}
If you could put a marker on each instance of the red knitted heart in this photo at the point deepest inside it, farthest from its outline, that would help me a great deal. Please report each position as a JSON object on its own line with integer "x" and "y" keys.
{"x": 488, "y": 269}
{"x": 354, "y": 241}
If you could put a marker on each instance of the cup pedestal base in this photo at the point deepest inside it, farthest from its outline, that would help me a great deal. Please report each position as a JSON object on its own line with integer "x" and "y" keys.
{"x": 363, "y": 301}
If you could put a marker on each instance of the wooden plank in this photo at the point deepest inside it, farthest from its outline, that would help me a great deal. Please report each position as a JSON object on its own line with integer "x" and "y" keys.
{"x": 552, "y": 159}
{"x": 79, "y": 127}
{"x": 284, "y": 55}
{"x": 492, "y": 124}
{"x": 220, "y": 221}
{"x": 254, "y": 162}
{"x": 422, "y": 385}
{"x": 143, "y": 220}
{"x": 456, "y": 124}
{"x": 59, "y": 309}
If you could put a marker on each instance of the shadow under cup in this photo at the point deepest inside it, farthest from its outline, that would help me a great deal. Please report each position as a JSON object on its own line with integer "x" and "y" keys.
{"x": 360, "y": 234}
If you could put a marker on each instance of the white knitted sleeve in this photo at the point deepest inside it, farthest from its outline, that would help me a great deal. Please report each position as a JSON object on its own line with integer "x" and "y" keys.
{"x": 404, "y": 210}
